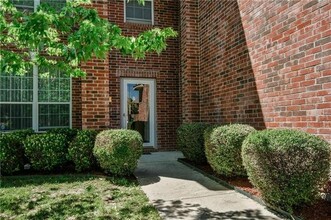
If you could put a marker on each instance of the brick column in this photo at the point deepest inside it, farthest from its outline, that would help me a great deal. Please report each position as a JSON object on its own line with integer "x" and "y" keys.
{"x": 95, "y": 88}
{"x": 189, "y": 31}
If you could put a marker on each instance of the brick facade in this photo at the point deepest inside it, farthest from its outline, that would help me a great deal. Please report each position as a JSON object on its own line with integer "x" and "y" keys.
{"x": 263, "y": 63}
{"x": 289, "y": 45}
{"x": 227, "y": 84}
{"x": 90, "y": 96}
{"x": 98, "y": 100}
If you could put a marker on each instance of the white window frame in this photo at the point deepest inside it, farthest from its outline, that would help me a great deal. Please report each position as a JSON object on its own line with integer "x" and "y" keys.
{"x": 35, "y": 99}
{"x": 137, "y": 21}
{"x": 35, "y": 103}
{"x": 36, "y": 3}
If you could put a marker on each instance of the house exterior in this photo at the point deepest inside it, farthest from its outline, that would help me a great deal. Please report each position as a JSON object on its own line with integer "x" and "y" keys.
{"x": 263, "y": 63}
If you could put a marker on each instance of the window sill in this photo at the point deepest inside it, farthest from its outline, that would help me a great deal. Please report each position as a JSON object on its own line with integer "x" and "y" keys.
{"x": 137, "y": 26}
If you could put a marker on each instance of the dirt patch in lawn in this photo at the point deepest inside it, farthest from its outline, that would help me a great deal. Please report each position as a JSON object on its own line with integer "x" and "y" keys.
{"x": 321, "y": 210}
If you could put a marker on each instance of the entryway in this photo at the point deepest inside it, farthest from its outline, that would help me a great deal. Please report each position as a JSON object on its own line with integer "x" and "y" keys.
{"x": 138, "y": 108}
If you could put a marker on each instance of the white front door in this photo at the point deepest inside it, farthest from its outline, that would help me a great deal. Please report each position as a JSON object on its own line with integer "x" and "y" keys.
{"x": 138, "y": 108}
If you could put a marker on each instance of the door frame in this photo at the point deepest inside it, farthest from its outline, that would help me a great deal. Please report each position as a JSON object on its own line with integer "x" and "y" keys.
{"x": 152, "y": 96}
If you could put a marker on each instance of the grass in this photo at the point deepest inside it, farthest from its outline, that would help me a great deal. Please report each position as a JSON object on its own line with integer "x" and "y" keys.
{"x": 73, "y": 197}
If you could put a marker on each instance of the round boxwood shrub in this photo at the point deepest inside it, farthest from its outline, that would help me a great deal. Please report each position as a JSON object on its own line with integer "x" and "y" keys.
{"x": 69, "y": 133}
{"x": 46, "y": 151}
{"x": 11, "y": 150}
{"x": 223, "y": 149}
{"x": 287, "y": 166}
{"x": 118, "y": 151}
{"x": 190, "y": 141}
{"x": 81, "y": 150}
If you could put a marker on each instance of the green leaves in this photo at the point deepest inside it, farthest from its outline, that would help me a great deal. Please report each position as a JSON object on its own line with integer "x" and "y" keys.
{"x": 63, "y": 38}
{"x": 148, "y": 41}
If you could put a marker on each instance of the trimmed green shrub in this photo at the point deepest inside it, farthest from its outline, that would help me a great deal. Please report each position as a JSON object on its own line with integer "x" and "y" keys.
{"x": 118, "y": 151}
{"x": 81, "y": 150}
{"x": 190, "y": 141}
{"x": 223, "y": 148}
{"x": 11, "y": 150}
{"x": 21, "y": 135}
{"x": 287, "y": 166}
{"x": 46, "y": 151}
{"x": 11, "y": 154}
{"x": 70, "y": 133}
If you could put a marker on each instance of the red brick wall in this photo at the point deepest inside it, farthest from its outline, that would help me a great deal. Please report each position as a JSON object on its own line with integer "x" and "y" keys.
{"x": 76, "y": 103}
{"x": 227, "y": 85}
{"x": 164, "y": 69}
{"x": 90, "y": 96}
{"x": 189, "y": 43}
{"x": 290, "y": 48}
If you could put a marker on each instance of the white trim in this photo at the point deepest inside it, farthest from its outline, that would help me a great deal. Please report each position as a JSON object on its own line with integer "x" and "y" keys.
{"x": 124, "y": 10}
{"x": 70, "y": 107}
{"x": 35, "y": 5}
{"x": 53, "y": 103}
{"x": 15, "y": 103}
{"x": 152, "y": 107}
{"x": 35, "y": 115}
{"x": 152, "y": 12}
{"x": 139, "y": 21}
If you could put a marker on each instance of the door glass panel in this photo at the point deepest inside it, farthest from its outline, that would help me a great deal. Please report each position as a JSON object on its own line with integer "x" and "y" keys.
{"x": 138, "y": 104}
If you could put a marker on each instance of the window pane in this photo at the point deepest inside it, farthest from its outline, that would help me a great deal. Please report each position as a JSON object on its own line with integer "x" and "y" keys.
{"x": 147, "y": 14}
{"x": 27, "y": 95}
{"x": 139, "y": 13}
{"x": 54, "y": 86}
{"x": 14, "y": 88}
{"x": 130, "y": 12}
{"x": 57, "y": 4}
{"x": 15, "y": 116}
{"x": 53, "y": 115}
{"x": 24, "y": 5}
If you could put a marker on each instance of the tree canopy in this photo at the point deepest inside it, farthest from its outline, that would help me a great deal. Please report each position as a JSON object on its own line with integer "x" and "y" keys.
{"x": 64, "y": 38}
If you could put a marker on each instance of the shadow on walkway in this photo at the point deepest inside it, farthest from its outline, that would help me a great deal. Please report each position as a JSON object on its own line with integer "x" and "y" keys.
{"x": 152, "y": 167}
{"x": 180, "y": 210}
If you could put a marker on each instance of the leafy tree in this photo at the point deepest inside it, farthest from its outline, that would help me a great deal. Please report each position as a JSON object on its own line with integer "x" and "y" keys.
{"x": 66, "y": 37}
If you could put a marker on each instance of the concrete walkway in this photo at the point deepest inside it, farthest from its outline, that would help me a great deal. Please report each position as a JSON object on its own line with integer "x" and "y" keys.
{"x": 179, "y": 192}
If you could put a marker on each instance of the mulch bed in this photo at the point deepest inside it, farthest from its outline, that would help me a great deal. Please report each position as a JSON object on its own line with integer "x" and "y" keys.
{"x": 321, "y": 210}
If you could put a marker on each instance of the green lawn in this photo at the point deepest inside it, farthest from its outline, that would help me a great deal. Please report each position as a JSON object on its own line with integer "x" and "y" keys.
{"x": 73, "y": 197}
